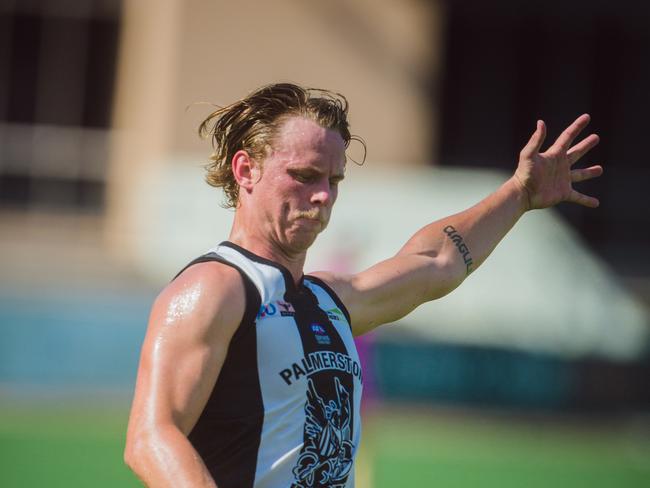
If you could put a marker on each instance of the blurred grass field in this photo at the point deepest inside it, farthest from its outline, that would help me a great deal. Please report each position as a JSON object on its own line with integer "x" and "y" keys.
{"x": 63, "y": 447}
{"x": 70, "y": 447}
{"x": 420, "y": 449}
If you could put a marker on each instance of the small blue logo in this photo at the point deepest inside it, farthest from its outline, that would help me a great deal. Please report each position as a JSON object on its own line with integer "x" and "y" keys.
{"x": 267, "y": 310}
{"x": 320, "y": 334}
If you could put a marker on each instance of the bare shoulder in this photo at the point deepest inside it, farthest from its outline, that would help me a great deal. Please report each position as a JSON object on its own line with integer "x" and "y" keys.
{"x": 202, "y": 296}
{"x": 340, "y": 283}
{"x": 358, "y": 298}
{"x": 190, "y": 328}
{"x": 384, "y": 292}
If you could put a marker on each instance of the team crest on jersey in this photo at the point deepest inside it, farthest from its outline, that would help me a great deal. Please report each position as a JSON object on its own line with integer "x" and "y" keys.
{"x": 326, "y": 457}
{"x": 321, "y": 334}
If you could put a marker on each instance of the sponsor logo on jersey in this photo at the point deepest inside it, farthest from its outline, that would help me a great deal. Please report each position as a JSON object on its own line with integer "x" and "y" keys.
{"x": 272, "y": 308}
{"x": 335, "y": 314}
{"x": 320, "y": 334}
{"x": 267, "y": 310}
{"x": 286, "y": 309}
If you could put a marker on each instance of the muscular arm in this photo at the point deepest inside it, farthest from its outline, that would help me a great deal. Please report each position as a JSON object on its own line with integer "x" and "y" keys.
{"x": 190, "y": 328}
{"x": 442, "y": 254}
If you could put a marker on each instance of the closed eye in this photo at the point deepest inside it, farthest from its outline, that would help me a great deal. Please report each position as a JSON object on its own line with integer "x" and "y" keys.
{"x": 312, "y": 177}
{"x": 335, "y": 180}
{"x": 303, "y": 176}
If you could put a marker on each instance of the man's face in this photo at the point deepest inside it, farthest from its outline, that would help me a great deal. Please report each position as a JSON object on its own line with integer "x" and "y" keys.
{"x": 299, "y": 183}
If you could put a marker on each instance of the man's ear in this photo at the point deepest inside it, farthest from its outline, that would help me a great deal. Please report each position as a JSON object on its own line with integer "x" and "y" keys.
{"x": 245, "y": 170}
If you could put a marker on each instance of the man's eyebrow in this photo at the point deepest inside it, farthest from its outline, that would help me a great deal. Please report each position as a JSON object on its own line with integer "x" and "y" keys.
{"x": 304, "y": 169}
{"x": 314, "y": 171}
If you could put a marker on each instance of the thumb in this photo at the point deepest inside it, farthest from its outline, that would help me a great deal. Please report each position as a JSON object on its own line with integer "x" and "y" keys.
{"x": 536, "y": 140}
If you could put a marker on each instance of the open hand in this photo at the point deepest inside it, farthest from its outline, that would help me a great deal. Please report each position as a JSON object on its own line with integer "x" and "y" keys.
{"x": 547, "y": 176}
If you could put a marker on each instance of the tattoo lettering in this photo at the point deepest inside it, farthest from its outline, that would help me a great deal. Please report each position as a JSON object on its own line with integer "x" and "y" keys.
{"x": 456, "y": 238}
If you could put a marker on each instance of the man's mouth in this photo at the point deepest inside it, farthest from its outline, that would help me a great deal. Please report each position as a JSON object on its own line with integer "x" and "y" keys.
{"x": 310, "y": 215}
{"x": 309, "y": 220}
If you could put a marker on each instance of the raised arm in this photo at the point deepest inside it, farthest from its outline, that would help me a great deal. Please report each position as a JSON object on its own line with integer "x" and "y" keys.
{"x": 190, "y": 328}
{"x": 442, "y": 254}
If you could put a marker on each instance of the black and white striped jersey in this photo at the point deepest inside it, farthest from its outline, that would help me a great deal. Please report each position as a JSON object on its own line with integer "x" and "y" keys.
{"x": 284, "y": 411}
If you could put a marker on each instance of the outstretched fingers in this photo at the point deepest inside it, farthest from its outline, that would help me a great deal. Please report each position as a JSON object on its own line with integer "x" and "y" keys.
{"x": 578, "y": 175}
{"x": 571, "y": 132}
{"x": 536, "y": 140}
{"x": 580, "y": 149}
{"x": 582, "y": 199}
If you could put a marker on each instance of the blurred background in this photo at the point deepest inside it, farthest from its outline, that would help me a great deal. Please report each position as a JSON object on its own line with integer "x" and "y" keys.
{"x": 534, "y": 373}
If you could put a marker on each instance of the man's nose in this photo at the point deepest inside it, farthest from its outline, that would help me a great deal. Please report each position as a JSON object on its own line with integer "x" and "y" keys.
{"x": 322, "y": 194}
{"x": 321, "y": 197}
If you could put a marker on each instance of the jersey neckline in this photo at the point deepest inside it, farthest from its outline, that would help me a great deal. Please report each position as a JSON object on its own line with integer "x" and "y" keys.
{"x": 288, "y": 279}
{"x": 289, "y": 283}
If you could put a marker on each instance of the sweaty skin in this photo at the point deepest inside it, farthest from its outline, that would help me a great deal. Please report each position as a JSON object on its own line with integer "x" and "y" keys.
{"x": 285, "y": 201}
{"x": 190, "y": 327}
{"x": 183, "y": 304}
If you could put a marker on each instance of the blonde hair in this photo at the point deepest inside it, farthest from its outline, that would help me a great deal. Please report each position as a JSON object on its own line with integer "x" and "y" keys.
{"x": 252, "y": 123}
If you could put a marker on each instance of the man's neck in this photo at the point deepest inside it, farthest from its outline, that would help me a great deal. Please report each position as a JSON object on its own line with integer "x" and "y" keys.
{"x": 267, "y": 249}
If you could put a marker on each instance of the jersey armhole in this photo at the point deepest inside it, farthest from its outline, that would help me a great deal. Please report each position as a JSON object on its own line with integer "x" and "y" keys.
{"x": 332, "y": 295}
{"x": 252, "y": 299}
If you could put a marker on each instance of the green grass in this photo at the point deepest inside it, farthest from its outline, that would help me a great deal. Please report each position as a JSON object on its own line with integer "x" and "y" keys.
{"x": 70, "y": 447}
{"x": 63, "y": 447}
{"x": 415, "y": 449}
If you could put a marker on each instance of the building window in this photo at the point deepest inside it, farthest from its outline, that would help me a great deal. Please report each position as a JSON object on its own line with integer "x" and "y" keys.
{"x": 57, "y": 71}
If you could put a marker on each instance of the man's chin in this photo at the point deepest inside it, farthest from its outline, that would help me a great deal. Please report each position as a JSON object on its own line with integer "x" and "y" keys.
{"x": 303, "y": 239}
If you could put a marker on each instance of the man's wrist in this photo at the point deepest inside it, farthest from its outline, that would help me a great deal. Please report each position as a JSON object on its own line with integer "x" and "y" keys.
{"x": 519, "y": 193}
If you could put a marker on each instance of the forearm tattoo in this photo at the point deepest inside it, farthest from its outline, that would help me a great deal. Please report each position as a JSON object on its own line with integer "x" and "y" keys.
{"x": 457, "y": 239}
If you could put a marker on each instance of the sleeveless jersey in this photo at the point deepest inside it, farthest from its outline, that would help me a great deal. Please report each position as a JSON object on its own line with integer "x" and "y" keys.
{"x": 285, "y": 409}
